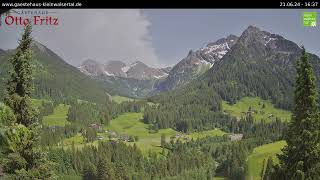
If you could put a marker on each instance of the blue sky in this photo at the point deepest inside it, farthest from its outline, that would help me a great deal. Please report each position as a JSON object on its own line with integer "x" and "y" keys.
{"x": 158, "y": 37}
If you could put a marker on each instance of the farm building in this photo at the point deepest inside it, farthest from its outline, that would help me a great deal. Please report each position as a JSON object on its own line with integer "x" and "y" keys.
{"x": 235, "y": 137}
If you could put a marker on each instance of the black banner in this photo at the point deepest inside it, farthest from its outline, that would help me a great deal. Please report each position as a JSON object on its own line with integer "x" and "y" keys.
{"x": 230, "y": 4}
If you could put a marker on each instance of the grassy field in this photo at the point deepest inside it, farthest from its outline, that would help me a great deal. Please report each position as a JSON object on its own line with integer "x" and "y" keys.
{"x": 38, "y": 102}
{"x": 58, "y": 118}
{"x": 120, "y": 99}
{"x": 77, "y": 139}
{"x": 203, "y": 134}
{"x": 268, "y": 112}
{"x": 70, "y": 177}
{"x": 256, "y": 159}
{"x": 219, "y": 178}
{"x": 130, "y": 124}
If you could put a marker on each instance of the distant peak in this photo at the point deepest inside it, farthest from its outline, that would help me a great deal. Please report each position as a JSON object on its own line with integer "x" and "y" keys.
{"x": 231, "y": 36}
{"x": 89, "y": 61}
{"x": 115, "y": 62}
{"x": 137, "y": 62}
{"x": 252, "y": 35}
{"x": 252, "y": 28}
{"x": 190, "y": 52}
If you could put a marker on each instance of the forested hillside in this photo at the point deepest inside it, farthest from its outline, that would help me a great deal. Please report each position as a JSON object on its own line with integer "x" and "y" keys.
{"x": 260, "y": 64}
{"x": 54, "y": 78}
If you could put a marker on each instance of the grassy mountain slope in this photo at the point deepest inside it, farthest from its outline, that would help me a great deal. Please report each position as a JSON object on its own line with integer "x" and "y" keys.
{"x": 260, "y": 156}
{"x": 54, "y": 78}
{"x": 260, "y": 109}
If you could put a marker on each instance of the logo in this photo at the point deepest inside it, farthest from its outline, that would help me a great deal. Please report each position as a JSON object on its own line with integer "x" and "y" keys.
{"x": 24, "y": 17}
{"x": 309, "y": 19}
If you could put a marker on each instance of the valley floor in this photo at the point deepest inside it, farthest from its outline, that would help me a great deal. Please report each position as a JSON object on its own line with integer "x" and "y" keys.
{"x": 130, "y": 125}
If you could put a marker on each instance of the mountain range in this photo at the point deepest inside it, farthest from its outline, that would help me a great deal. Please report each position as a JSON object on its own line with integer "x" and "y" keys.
{"x": 257, "y": 63}
{"x": 136, "y": 70}
{"x": 154, "y": 80}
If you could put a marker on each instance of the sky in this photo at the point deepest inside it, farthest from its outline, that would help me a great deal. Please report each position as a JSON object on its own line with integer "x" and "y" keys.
{"x": 157, "y": 37}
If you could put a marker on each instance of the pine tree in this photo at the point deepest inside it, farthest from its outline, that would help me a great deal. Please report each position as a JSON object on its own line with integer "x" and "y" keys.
{"x": 19, "y": 85}
{"x": 89, "y": 172}
{"x": 269, "y": 170}
{"x": 105, "y": 170}
{"x": 302, "y": 154}
{"x": 163, "y": 140}
{"x": 22, "y": 136}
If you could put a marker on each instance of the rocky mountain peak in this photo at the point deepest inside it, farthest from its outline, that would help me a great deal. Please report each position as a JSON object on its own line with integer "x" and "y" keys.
{"x": 115, "y": 63}
{"x": 263, "y": 40}
{"x": 197, "y": 62}
{"x": 136, "y": 70}
{"x": 190, "y": 52}
{"x": 252, "y": 35}
{"x": 91, "y": 67}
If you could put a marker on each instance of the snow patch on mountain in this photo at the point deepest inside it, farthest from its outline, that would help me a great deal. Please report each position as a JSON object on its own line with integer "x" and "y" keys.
{"x": 161, "y": 76}
{"x": 137, "y": 70}
{"x": 125, "y": 69}
{"x": 214, "y": 48}
{"x": 268, "y": 39}
{"x": 108, "y": 74}
{"x": 204, "y": 62}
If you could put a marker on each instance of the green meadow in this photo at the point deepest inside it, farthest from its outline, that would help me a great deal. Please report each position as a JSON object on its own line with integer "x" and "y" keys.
{"x": 261, "y": 153}
{"x": 38, "y": 102}
{"x": 130, "y": 124}
{"x": 58, "y": 118}
{"x": 262, "y": 109}
{"x": 120, "y": 99}
{"x": 203, "y": 134}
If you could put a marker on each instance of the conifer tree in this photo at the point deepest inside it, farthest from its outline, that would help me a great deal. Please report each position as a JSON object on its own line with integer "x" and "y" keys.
{"x": 269, "y": 170}
{"x": 19, "y": 85}
{"x": 89, "y": 172}
{"x": 301, "y": 156}
{"x": 105, "y": 170}
{"x": 163, "y": 140}
{"x": 24, "y": 157}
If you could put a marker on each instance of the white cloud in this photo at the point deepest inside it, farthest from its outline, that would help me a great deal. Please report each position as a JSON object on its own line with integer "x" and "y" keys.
{"x": 100, "y": 34}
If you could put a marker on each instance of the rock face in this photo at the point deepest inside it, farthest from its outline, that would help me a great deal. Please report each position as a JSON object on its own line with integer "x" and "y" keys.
{"x": 91, "y": 68}
{"x": 132, "y": 80}
{"x": 115, "y": 68}
{"x": 197, "y": 63}
{"x": 137, "y": 70}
